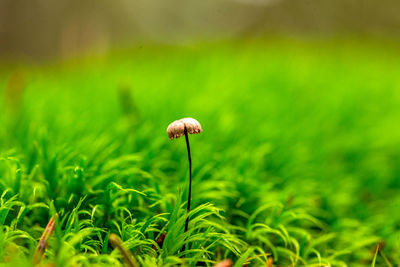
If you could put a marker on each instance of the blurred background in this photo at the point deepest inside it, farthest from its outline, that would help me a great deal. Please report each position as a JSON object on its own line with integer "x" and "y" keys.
{"x": 47, "y": 29}
{"x": 299, "y": 102}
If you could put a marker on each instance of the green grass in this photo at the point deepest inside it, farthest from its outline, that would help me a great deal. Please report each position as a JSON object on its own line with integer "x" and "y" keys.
{"x": 299, "y": 159}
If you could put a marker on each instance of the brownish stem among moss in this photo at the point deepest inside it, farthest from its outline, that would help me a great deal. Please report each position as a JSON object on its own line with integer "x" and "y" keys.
{"x": 116, "y": 242}
{"x": 43, "y": 242}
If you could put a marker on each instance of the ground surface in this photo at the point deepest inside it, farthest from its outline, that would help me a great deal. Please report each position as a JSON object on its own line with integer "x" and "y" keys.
{"x": 299, "y": 159}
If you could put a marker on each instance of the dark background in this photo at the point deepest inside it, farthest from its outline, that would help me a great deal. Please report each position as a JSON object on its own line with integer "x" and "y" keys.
{"x": 43, "y": 29}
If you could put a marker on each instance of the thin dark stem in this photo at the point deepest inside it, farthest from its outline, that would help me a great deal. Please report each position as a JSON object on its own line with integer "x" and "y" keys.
{"x": 190, "y": 184}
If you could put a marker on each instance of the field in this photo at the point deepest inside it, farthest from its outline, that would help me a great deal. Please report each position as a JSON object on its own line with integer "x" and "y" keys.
{"x": 298, "y": 163}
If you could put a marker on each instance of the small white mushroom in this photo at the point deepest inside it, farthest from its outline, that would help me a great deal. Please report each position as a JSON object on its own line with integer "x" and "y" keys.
{"x": 177, "y": 128}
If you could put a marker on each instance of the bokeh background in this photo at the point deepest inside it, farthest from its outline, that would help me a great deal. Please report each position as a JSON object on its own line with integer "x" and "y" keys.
{"x": 299, "y": 101}
{"x": 45, "y": 29}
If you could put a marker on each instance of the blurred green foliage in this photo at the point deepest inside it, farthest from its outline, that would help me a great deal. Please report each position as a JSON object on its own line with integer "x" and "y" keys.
{"x": 299, "y": 159}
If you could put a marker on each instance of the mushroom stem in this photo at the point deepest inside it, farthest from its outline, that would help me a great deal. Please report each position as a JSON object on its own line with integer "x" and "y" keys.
{"x": 190, "y": 182}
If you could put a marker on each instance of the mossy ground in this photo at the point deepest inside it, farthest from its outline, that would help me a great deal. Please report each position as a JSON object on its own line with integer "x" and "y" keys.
{"x": 299, "y": 159}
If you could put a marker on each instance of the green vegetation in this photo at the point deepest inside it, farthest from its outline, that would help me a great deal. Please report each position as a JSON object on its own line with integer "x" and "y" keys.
{"x": 299, "y": 159}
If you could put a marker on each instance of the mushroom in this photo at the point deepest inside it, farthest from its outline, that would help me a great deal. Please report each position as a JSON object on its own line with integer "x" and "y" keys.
{"x": 177, "y": 129}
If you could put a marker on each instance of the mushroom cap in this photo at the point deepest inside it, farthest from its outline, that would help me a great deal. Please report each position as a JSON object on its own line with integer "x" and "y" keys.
{"x": 177, "y": 128}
